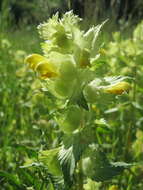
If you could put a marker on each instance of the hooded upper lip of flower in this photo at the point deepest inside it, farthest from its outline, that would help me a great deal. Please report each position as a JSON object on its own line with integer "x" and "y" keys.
{"x": 42, "y": 65}
{"x": 118, "y": 88}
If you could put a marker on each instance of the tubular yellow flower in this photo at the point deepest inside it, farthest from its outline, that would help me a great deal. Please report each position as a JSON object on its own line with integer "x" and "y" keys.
{"x": 42, "y": 65}
{"x": 33, "y": 60}
{"x": 46, "y": 70}
{"x": 118, "y": 88}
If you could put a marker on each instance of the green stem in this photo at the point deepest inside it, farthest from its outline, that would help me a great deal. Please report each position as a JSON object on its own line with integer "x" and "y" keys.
{"x": 133, "y": 121}
{"x": 80, "y": 176}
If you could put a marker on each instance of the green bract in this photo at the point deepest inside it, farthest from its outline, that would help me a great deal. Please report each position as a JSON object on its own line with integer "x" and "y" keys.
{"x": 71, "y": 120}
{"x": 69, "y": 72}
{"x": 49, "y": 158}
{"x": 67, "y": 52}
{"x": 60, "y": 34}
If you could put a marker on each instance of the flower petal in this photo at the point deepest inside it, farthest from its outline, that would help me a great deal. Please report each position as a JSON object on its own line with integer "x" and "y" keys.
{"x": 46, "y": 70}
{"x": 33, "y": 60}
{"x": 118, "y": 88}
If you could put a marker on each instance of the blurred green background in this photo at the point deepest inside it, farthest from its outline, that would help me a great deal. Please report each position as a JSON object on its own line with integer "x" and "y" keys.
{"x": 14, "y": 13}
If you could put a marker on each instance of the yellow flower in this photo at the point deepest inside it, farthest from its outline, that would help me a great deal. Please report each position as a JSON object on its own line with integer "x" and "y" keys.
{"x": 33, "y": 60}
{"x": 118, "y": 88}
{"x": 102, "y": 51}
{"x": 113, "y": 187}
{"x": 42, "y": 65}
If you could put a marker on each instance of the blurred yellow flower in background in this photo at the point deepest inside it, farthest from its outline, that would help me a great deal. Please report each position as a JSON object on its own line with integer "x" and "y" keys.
{"x": 113, "y": 187}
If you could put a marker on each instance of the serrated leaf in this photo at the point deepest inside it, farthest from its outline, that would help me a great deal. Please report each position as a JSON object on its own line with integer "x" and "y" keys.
{"x": 67, "y": 161}
{"x": 57, "y": 182}
{"x": 70, "y": 154}
{"x": 96, "y": 33}
{"x": 91, "y": 35}
{"x": 101, "y": 169}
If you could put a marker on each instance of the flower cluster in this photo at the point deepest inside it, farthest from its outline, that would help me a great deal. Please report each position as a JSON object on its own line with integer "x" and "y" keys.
{"x": 67, "y": 60}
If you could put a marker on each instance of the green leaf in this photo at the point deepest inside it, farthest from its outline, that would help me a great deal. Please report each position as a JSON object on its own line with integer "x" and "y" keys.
{"x": 30, "y": 151}
{"x": 70, "y": 120}
{"x": 70, "y": 153}
{"x": 96, "y": 33}
{"x": 81, "y": 101}
{"x": 99, "y": 168}
{"x": 33, "y": 164}
{"x": 50, "y": 159}
{"x": 101, "y": 121}
{"x": 91, "y": 185}
{"x": 54, "y": 182}
{"x": 111, "y": 110}
{"x": 28, "y": 177}
{"x": 11, "y": 178}
{"x": 57, "y": 182}
{"x": 91, "y": 35}
{"x": 102, "y": 126}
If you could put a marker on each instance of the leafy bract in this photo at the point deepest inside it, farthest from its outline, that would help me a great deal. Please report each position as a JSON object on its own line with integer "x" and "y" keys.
{"x": 50, "y": 159}
{"x": 67, "y": 53}
{"x": 91, "y": 35}
{"x": 64, "y": 35}
{"x": 60, "y": 34}
{"x": 71, "y": 120}
{"x": 112, "y": 85}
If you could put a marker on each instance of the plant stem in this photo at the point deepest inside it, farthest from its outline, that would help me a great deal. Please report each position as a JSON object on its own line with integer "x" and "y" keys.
{"x": 133, "y": 116}
{"x": 80, "y": 176}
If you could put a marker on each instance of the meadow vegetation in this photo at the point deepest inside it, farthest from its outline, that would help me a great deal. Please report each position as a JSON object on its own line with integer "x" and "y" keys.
{"x": 43, "y": 144}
